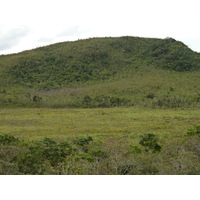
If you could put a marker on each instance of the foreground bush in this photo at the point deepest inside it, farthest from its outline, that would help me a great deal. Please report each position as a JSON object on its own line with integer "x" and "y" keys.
{"x": 43, "y": 155}
{"x": 150, "y": 142}
{"x": 8, "y": 139}
{"x": 85, "y": 155}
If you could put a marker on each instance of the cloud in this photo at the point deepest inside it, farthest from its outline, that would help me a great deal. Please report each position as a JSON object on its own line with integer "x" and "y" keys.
{"x": 70, "y": 31}
{"x": 10, "y": 37}
{"x": 45, "y": 40}
{"x": 73, "y": 32}
{"x": 61, "y": 33}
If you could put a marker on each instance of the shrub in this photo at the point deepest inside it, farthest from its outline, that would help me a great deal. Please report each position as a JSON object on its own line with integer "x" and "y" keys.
{"x": 37, "y": 99}
{"x": 99, "y": 153}
{"x": 118, "y": 101}
{"x": 43, "y": 156}
{"x": 127, "y": 169}
{"x": 150, "y": 95}
{"x": 8, "y": 139}
{"x": 135, "y": 150}
{"x": 87, "y": 157}
{"x": 83, "y": 141}
{"x": 87, "y": 101}
{"x": 102, "y": 101}
{"x": 150, "y": 142}
{"x": 194, "y": 131}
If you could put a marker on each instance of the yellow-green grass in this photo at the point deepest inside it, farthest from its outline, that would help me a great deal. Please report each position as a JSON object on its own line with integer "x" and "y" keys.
{"x": 125, "y": 124}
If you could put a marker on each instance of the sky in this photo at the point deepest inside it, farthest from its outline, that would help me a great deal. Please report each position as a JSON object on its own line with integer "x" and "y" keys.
{"x": 28, "y": 24}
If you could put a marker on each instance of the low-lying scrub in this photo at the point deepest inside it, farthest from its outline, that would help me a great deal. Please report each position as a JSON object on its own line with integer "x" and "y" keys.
{"x": 85, "y": 155}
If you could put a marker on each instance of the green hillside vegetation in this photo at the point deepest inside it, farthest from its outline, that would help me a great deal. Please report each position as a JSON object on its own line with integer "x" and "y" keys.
{"x": 125, "y": 105}
{"x": 102, "y": 72}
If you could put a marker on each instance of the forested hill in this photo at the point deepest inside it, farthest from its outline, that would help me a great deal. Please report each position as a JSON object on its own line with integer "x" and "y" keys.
{"x": 94, "y": 59}
{"x": 102, "y": 72}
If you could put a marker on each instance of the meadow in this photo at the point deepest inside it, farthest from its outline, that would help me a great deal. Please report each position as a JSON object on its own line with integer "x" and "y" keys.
{"x": 99, "y": 122}
{"x": 103, "y": 140}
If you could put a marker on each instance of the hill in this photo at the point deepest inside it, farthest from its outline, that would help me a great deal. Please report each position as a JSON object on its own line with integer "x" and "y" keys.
{"x": 102, "y": 72}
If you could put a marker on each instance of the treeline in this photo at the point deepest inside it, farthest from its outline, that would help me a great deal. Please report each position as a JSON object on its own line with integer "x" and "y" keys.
{"x": 97, "y": 101}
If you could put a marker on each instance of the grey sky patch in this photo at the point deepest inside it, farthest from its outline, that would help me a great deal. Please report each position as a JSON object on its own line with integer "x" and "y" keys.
{"x": 70, "y": 31}
{"x": 9, "y": 37}
{"x": 45, "y": 40}
{"x": 62, "y": 33}
{"x": 192, "y": 43}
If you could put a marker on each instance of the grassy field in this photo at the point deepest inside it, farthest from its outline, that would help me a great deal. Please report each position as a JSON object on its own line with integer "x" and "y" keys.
{"x": 99, "y": 123}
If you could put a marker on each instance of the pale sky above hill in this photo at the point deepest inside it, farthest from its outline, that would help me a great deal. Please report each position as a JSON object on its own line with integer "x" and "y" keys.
{"x": 27, "y": 24}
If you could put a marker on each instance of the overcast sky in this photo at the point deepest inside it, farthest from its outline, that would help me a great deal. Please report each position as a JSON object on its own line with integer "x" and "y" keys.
{"x": 27, "y": 24}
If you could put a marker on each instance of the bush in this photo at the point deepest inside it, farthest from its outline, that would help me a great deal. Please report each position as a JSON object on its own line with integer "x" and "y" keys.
{"x": 135, "y": 150}
{"x": 87, "y": 101}
{"x": 83, "y": 141}
{"x": 37, "y": 99}
{"x": 43, "y": 156}
{"x": 150, "y": 142}
{"x": 194, "y": 131}
{"x": 99, "y": 153}
{"x": 8, "y": 139}
{"x": 150, "y": 95}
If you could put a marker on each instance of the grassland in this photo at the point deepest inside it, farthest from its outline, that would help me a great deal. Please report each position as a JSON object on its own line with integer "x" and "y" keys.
{"x": 98, "y": 123}
{"x": 116, "y": 133}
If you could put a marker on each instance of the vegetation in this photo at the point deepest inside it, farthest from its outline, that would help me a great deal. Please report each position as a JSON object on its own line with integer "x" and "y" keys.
{"x": 102, "y": 72}
{"x": 99, "y": 141}
{"x": 194, "y": 131}
{"x": 124, "y": 105}
{"x": 150, "y": 142}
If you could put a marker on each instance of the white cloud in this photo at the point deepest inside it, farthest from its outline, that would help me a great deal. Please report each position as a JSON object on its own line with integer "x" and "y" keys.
{"x": 69, "y": 31}
{"x": 11, "y": 36}
{"x": 62, "y": 20}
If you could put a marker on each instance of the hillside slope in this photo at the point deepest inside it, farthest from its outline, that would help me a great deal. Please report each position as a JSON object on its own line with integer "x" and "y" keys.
{"x": 102, "y": 72}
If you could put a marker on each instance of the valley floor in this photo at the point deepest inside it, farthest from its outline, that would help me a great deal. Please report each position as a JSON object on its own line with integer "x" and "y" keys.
{"x": 99, "y": 123}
